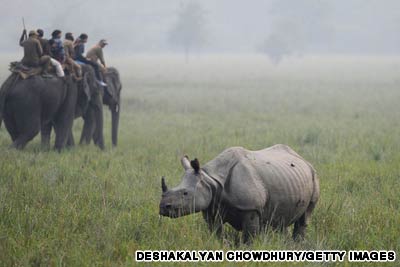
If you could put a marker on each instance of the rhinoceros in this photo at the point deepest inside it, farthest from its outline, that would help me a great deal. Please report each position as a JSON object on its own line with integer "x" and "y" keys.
{"x": 248, "y": 189}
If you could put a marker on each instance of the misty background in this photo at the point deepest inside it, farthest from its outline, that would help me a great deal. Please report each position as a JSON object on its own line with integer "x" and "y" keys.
{"x": 274, "y": 27}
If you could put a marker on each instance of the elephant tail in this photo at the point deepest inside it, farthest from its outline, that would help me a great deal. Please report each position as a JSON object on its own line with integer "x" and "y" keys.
{"x": 5, "y": 89}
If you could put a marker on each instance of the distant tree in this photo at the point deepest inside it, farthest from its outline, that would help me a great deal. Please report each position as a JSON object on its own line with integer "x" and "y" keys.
{"x": 296, "y": 25}
{"x": 285, "y": 40}
{"x": 189, "y": 31}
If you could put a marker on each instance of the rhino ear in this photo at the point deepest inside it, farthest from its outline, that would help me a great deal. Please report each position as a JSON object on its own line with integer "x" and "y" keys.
{"x": 195, "y": 165}
{"x": 185, "y": 162}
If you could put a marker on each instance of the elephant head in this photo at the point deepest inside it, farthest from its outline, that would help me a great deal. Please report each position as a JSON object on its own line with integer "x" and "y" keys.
{"x": 112, "y": 98}
{"x": 90, "y": 107}
{"x": 87, "y": 88}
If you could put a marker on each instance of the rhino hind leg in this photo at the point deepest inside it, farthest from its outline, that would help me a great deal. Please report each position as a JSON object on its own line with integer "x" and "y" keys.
{"x": 301, "y": 224}
{"x": 250, "y": 225}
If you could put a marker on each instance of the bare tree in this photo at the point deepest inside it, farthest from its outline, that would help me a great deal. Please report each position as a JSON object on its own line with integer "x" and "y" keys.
{"x": 189, "y": 31}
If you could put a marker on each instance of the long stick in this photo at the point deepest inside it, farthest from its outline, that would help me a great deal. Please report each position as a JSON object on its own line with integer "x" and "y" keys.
{"x": 23, "y": 24}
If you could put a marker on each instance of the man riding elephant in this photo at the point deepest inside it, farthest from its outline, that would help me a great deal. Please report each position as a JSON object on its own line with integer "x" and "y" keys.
{"x": 81, "y": 59}
{"x": 73, "y": 67}
{"x": 57, "y": 52}
{"x": 95, "y": 54}
{"x": 35, "y": 104}
{"x": 33, "y": 52}
{"x": 43, "y": 42}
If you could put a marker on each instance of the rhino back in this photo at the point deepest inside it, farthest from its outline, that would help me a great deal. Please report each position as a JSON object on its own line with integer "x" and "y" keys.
{"x": 275, "y": 181}
{"x": 289, "y": 182}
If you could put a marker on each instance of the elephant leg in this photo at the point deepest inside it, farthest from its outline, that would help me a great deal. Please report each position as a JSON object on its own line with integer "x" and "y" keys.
{"x": 70, "y": 141}
{"x": 62, "y": 134}
{"x": 11, "y": 127}
{"x": 88, "y": 127}
{"x": 63, "y": 129}
{"x": 28, "y": 127}
{"x": 23, "y": 139}
{"x": 250, "y": 225}
{"x": 98, "y": 115}
{"x": 26, "y": 136}
{"x": 93, "y": 133}
{"x": 45, "y": 133}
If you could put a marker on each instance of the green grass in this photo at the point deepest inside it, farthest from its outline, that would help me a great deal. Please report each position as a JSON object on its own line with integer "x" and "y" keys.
{"x": 87, "y": 207}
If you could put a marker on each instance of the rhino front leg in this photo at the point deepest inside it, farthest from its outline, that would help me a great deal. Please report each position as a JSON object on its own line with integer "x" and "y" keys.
{"x": 214, "y": 223}
{"x": 250, "y": 226}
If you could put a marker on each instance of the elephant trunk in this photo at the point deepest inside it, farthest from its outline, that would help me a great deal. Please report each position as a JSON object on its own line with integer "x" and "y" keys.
{"x": 114, "y": 124}
{"x": 98, "y": 132}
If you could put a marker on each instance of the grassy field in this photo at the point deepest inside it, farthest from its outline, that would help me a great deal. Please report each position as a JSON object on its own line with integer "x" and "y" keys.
{"x": 86, "y": 207}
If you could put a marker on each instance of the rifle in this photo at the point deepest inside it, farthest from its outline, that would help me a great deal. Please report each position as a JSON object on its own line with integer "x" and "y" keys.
{"x": 23, "y": 24}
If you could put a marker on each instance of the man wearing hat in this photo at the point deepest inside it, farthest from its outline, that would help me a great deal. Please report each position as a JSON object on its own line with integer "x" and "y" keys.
{"x": 33, "y": 52}
{"x": 95, "y": 54}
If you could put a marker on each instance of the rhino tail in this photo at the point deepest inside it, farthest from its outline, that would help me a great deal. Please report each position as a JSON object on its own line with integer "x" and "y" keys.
{"x": 315, "y": 191}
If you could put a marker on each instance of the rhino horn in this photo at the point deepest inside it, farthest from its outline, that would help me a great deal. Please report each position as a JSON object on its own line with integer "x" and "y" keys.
{"x": 163, "y": 185}
{"x": 186, "y": 163}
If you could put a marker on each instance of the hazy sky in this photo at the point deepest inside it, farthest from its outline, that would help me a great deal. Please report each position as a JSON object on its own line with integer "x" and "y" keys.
{"x": 326, "y": 26}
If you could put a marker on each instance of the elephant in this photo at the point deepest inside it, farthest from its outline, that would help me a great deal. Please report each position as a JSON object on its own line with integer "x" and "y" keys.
{"x": 89, "y": 107}
{"x": 110, "y": 96}
{"x": 35, "y": 104}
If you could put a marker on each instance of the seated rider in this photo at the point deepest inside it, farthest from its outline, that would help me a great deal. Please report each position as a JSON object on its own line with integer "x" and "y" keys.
{"x": 74, "y": 67}
{"x": 57, "y": 49}
{"x": 57, "y": 52}
{"x": 95, "y": 54}
{"x": 79, "y": 47}
{"x": 33, "y": 52}
{"x": 44, "y": 42}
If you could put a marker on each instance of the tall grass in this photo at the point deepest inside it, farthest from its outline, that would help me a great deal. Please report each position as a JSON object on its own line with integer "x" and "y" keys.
{"x": 89, "y": 207}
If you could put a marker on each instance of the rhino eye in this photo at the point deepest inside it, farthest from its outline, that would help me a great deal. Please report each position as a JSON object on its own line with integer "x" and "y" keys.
{"x": 185, "y": 193}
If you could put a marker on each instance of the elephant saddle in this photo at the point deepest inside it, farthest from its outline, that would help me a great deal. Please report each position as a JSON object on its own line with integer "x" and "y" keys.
{"x": 24, "y": 71}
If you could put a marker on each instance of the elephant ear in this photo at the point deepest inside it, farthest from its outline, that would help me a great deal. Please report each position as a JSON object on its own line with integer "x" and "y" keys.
{"x": 86, "y": 87}
{"x": 84, "y": 95}
{"x": 114, "y": 83}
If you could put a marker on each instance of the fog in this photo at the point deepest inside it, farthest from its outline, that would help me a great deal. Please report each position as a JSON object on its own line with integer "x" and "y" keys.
{"x": 294, "y": 27}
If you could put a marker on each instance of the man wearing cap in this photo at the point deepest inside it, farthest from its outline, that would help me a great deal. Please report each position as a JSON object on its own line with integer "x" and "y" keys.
{"x": 32, "y": 49}
{"x": 33, "y": 52}
{"x": 95, "y": 54}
